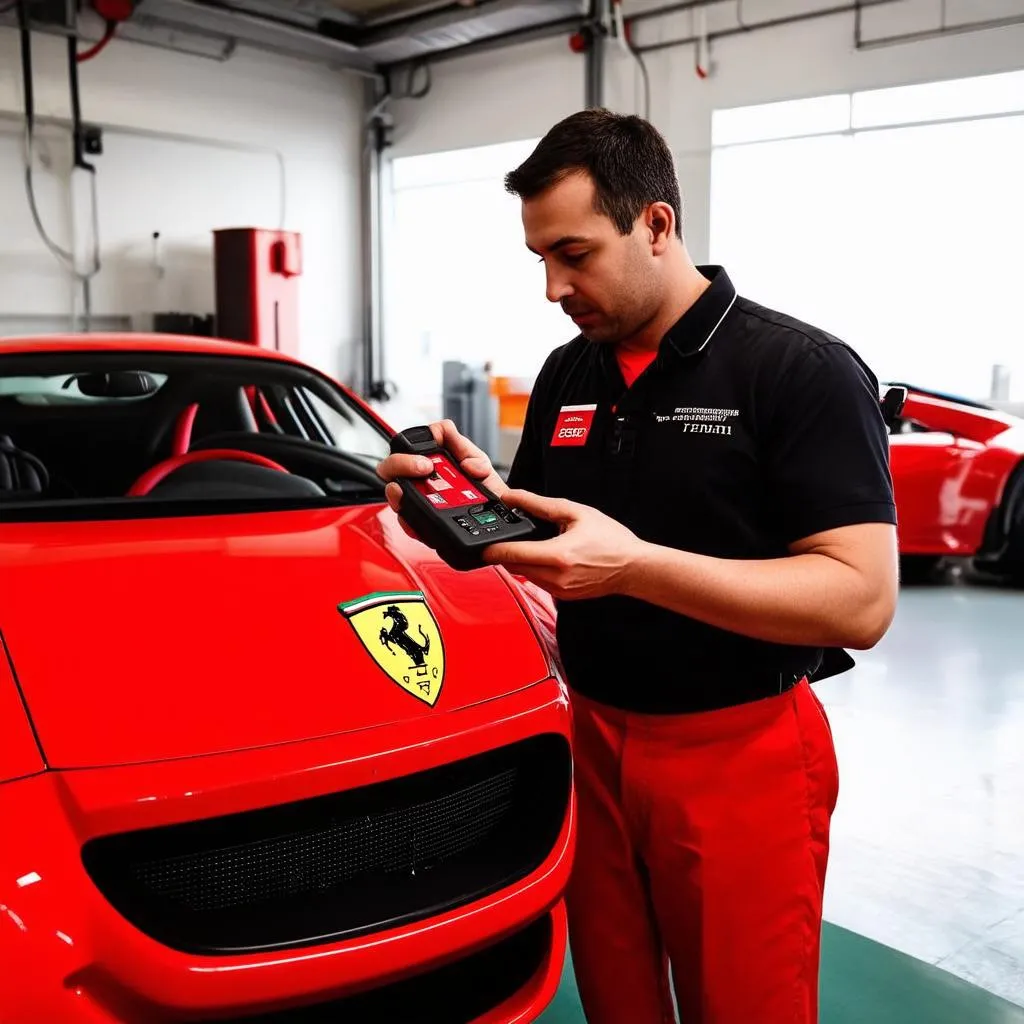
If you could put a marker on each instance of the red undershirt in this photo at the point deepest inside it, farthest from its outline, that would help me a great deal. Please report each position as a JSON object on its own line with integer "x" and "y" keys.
{"x": 633, "y": 364}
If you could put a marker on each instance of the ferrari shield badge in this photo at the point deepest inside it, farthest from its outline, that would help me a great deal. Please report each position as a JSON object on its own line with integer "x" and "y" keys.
{"x": 400, "y": 633}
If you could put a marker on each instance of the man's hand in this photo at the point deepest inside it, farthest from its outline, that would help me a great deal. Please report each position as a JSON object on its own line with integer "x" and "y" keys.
{"x": 471, "y": 460}
{"x": 590, "y": 557}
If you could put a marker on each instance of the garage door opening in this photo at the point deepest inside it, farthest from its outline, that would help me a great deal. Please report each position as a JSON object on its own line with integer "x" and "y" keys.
{"x": 891, "y": 218}
{"x": 459, "y": 282}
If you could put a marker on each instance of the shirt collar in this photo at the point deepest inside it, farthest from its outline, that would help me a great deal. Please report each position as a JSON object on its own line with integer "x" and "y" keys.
{"x": 693, "y": 331}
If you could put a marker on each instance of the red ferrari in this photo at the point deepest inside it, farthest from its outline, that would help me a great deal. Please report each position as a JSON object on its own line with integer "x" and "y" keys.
{"x": 958, "y": 472}
{"x": 263, "y": 757}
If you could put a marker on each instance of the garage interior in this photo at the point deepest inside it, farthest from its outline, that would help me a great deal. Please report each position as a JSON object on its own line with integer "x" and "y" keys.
{"x": 857, "y": 164}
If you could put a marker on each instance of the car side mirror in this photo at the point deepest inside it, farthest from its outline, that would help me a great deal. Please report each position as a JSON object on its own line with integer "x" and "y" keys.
{"x": 892, "y": 403}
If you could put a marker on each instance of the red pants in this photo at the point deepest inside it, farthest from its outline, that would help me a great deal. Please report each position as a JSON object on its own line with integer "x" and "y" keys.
{"x": 702, "y": 843}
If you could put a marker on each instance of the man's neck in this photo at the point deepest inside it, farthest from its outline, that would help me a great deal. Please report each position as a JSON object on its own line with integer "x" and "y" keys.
{"x": 690, "y": 284}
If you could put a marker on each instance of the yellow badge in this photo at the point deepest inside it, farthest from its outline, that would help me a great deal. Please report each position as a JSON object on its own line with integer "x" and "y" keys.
{"x": 402, "y": 636}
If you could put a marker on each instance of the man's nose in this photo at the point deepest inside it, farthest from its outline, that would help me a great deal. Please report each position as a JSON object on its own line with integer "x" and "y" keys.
{"x": 559, "y": 286}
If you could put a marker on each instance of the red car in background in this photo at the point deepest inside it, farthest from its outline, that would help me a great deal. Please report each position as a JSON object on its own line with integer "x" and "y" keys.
{"x": 263, "y": 757}
{"x": 958, "y": 473}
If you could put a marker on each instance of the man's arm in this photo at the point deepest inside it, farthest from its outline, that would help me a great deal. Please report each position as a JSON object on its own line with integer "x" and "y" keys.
{"x": 826, "y": 461}
{"x": 836, "y": 589}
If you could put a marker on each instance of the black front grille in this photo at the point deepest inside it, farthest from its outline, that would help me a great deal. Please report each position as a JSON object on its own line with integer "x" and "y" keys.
{"x": 456, "y": 993}
{"x": 344, "y": 864}
{"x": 396, "y": 841}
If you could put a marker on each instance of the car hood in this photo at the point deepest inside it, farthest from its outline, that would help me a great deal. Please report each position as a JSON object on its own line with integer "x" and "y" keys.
{"x": 153, "y": 639}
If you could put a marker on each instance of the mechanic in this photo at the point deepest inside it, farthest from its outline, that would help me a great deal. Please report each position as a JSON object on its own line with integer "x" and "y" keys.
{"x": 714, "y": 482}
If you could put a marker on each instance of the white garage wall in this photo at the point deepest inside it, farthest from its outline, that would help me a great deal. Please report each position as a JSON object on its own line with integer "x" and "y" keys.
{"x": 520, "y": 92}
{"x": 266, "y": 131}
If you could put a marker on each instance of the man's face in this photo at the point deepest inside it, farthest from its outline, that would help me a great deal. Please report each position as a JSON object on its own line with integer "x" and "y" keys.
{"x": 606, "y": 282}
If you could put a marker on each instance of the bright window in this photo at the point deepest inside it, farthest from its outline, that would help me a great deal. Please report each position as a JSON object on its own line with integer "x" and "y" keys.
{"x": 459, "y": 281}
{"x": 904, "y": 240}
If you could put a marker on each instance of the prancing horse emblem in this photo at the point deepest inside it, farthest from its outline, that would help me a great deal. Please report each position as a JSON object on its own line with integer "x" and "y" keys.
{"x": 401, "y": 635}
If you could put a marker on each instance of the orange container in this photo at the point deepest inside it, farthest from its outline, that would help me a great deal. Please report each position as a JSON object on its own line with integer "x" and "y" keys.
{"x": 513, "y": 394}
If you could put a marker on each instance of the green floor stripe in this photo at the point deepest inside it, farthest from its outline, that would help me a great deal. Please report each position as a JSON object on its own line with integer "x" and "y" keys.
{"x": 863, "y": 982}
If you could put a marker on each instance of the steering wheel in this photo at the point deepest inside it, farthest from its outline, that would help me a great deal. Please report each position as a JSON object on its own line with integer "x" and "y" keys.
{"x": 295, "y": 450}
{"x": 155, "y": 474}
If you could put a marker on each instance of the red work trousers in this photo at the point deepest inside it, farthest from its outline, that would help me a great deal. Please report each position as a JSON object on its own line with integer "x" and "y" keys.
{"x": 702, "y": 845}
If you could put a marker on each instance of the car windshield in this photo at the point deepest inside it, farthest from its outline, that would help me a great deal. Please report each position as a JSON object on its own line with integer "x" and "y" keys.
{"x": 93, "y": 435}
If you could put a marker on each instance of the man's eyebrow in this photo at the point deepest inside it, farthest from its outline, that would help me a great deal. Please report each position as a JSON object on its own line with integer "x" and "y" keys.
{"x": 562, "y": 243}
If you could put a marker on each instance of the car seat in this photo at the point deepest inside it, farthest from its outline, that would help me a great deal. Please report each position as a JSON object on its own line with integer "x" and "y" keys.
{"x": 22, "y": 475}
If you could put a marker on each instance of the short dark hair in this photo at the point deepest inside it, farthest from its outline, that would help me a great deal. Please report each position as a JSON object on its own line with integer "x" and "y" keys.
{"x": 627, "y": 158}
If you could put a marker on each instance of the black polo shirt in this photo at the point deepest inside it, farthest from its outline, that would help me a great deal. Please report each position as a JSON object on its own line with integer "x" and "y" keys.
{"x": 749, "y": 431}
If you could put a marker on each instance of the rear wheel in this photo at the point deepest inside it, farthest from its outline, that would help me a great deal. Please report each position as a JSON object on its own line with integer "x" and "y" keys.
{"x": 1015, "y": 541}
{"x": 1003, "y": 551}
{"x": 918, "y": 569}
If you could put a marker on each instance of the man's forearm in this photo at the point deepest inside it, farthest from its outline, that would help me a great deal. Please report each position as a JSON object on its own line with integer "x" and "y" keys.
{"x": 808, "y": 599}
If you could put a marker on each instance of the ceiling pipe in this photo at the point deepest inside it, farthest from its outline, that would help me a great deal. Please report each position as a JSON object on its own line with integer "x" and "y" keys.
{"x": 681, "y": 6}
{"x": 750, "y": 26}
{"x": 938, "y": 33}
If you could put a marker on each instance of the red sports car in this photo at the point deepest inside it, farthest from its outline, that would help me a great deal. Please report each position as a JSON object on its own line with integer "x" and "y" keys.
{"x": 958, "y": 471}
{"x": 263, "y": 757}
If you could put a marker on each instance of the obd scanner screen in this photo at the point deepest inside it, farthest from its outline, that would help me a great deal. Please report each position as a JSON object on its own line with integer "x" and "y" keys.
{"x": 454, "y": 515}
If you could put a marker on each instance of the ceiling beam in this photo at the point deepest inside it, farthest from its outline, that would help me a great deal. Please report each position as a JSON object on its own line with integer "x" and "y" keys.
{"x": 486, "y": 18}
{"x": 260, "y": 32}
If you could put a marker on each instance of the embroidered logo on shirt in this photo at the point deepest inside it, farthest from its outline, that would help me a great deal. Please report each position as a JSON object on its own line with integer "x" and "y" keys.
{"x": 573, "y": 425}
{"x": 700, "y": 419}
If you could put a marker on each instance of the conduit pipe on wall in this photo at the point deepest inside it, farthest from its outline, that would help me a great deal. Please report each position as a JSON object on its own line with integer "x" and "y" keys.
{"x": 855, "y": 8}
{"x": 744, "y": 27}
{"x": 167, "y": 136}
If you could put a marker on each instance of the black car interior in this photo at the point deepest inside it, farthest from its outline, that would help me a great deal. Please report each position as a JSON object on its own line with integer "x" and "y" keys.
{"x": 185, "y": 428}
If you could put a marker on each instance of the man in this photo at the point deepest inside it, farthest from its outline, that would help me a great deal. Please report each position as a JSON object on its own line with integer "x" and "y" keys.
{"x": 713, "y": 479}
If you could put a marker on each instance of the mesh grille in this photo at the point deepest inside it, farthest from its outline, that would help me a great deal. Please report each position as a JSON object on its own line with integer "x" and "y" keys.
{"x": 393, "y": 841}
{"x": 344, "y": 864}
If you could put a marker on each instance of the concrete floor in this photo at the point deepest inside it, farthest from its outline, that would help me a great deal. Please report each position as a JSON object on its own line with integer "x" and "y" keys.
{"x": 928, "y": 836}
{"x": 925, "y": 897}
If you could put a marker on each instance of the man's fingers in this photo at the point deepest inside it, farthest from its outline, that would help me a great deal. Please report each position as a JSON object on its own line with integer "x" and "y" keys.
{"x": 477, "y": 465}
{"x": 480, "y": 469}
{"x": 540, "y": 577}
{"x": 555, "y": 510}
{"x": 527, "y": 553}
{"x": 402, "y": 465}
{"x": 394, "y": 495}
{"x": 458, "y": 444}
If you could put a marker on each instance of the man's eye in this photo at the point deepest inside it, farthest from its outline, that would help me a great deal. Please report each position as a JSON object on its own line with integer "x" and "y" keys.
{"x": 575, "y": 257}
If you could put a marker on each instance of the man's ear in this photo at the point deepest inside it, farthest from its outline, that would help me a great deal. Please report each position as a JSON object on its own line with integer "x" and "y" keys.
{"x": 661, "y": 226}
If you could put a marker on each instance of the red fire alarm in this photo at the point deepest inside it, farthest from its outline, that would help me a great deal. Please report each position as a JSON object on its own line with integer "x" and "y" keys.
{"x": 114, "y": 10}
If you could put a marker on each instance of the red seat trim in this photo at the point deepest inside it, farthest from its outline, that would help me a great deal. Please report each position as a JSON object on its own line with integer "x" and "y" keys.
{"x": 183, "y": 430}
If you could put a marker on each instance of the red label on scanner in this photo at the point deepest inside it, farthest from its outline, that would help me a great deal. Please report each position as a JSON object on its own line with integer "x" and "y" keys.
{"x": 448, "y": 488}
{"x": 573, "y": 425}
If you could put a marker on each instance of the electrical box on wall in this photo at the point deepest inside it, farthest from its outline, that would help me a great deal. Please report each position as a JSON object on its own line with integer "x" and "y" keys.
{"x": 257, "y": 275}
